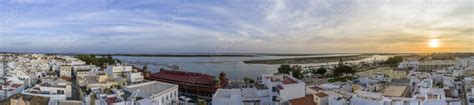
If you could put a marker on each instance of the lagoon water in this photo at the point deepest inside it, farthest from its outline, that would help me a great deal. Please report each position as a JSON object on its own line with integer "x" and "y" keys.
{"x": 232, "y": 66}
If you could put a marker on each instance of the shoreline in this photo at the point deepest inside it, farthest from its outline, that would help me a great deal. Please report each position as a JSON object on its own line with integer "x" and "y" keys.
{"x": 307, "y": 60}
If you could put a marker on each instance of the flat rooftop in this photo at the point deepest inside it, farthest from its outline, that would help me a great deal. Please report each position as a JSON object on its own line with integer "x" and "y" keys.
{"x": 227, "y": 93}
{"x": 150, "y": 88}
{"x": 321, "y": 94}
{"x": 285, "y": 80}
{"x": 289, "y": 81}
{"x": 223, "y": 93}
{"x": 252, "y": 93}
{"x": 394, "y": 91}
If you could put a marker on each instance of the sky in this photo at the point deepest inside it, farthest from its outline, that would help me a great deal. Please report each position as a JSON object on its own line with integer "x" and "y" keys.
{"x": 237, "y": 26}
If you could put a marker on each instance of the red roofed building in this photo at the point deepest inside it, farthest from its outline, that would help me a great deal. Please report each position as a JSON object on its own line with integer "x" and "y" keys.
{"x": 307, "y": 100}
{"x": 111, "y": 100}
{"x": 16, "y": 85}
{"x": 193, "y": 85}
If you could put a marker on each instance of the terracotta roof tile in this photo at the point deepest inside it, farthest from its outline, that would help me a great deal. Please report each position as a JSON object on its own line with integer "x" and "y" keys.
{"x": 307, "y": 100}
{"x": 321, "y": 94}
{"x": 182, "y": 76}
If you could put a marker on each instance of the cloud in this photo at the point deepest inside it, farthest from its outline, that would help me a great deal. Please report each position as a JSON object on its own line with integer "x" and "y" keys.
{"x": 310, "y": 26}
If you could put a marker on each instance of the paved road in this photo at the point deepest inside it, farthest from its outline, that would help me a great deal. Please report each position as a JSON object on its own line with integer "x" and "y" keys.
{"x": 463, "y": 96}
{"x": 75, "y": 90}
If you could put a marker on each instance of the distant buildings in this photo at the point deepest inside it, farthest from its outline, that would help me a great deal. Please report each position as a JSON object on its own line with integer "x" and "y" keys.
{"x": 434, "y": 65}
{"x": 409, "y": 64}
{"x": 427, "y": 65}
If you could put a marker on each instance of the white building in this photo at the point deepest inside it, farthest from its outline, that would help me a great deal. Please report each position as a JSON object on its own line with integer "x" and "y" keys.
{"x": 98, "y": 79}
{"x": 337, "y": 99}
{"x": 321, "y": 98}
{"x": 159, "y": 93}
{"x": 118, "y": 70}
{"x": 12, "y": 86}
{"x": 433, "y": 65}
{"x": 65, "y": 71}
{"x": 243, "y": 96}
{"x": 284, "y": 86}
{"x": 432, "y": 96}
{"x": 114, "y": 97}
{"x": 369, "y": 98}
{"x": 470, "y": 97}
{"x": 133, "y": 77}
{"x": 54, "y": 88}
{"x": 408, "y": 64}
{"x": 227, "y": 97}
{"x": 84, "y": 67}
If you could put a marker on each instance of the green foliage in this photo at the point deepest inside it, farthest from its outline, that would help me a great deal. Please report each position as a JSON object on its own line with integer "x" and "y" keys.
{"x": 297, "y": 71}
{"x": 92, "y": 59}
{"x": 341, "y": 79}
{"x": 249, "y": 80}
{"x": 343, "y": 69}
{"x": 88, "y": 91}
{"x": 200, "y": 102}
{"x": 320, "y": 71}
{"x": 116, "y": 86}
{"x": 393, "y": 61}
{"x": 285, "y": 68}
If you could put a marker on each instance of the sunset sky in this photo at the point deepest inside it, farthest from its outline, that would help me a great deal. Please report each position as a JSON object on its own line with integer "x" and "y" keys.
{"x": 230, "y": 26}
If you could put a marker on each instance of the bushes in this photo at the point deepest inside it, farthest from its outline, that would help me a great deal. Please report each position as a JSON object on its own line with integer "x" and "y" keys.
{"x": 341, "y": 79}
{"x": 296, "y": 70}
{"x": 320, "y": 71}
{"x": 393, "y": 61}
{"x": 102, "y": 62}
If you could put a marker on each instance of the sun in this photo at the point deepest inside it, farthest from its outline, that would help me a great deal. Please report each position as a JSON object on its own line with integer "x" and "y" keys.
{"x": 434, "y": 43}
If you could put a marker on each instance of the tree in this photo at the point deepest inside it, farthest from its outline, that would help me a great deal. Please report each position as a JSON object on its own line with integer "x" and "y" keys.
{"x": 393, "y": 61}
{"x": 297, "y": 71}
{"x": 201, "y": 102}
{"x": 102, "y": 61}
{"x": 341, "y": 69}
{"x": 284, "y": 68}
{"x": 321, "y": 71}
{"x": 248, "y": 80}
